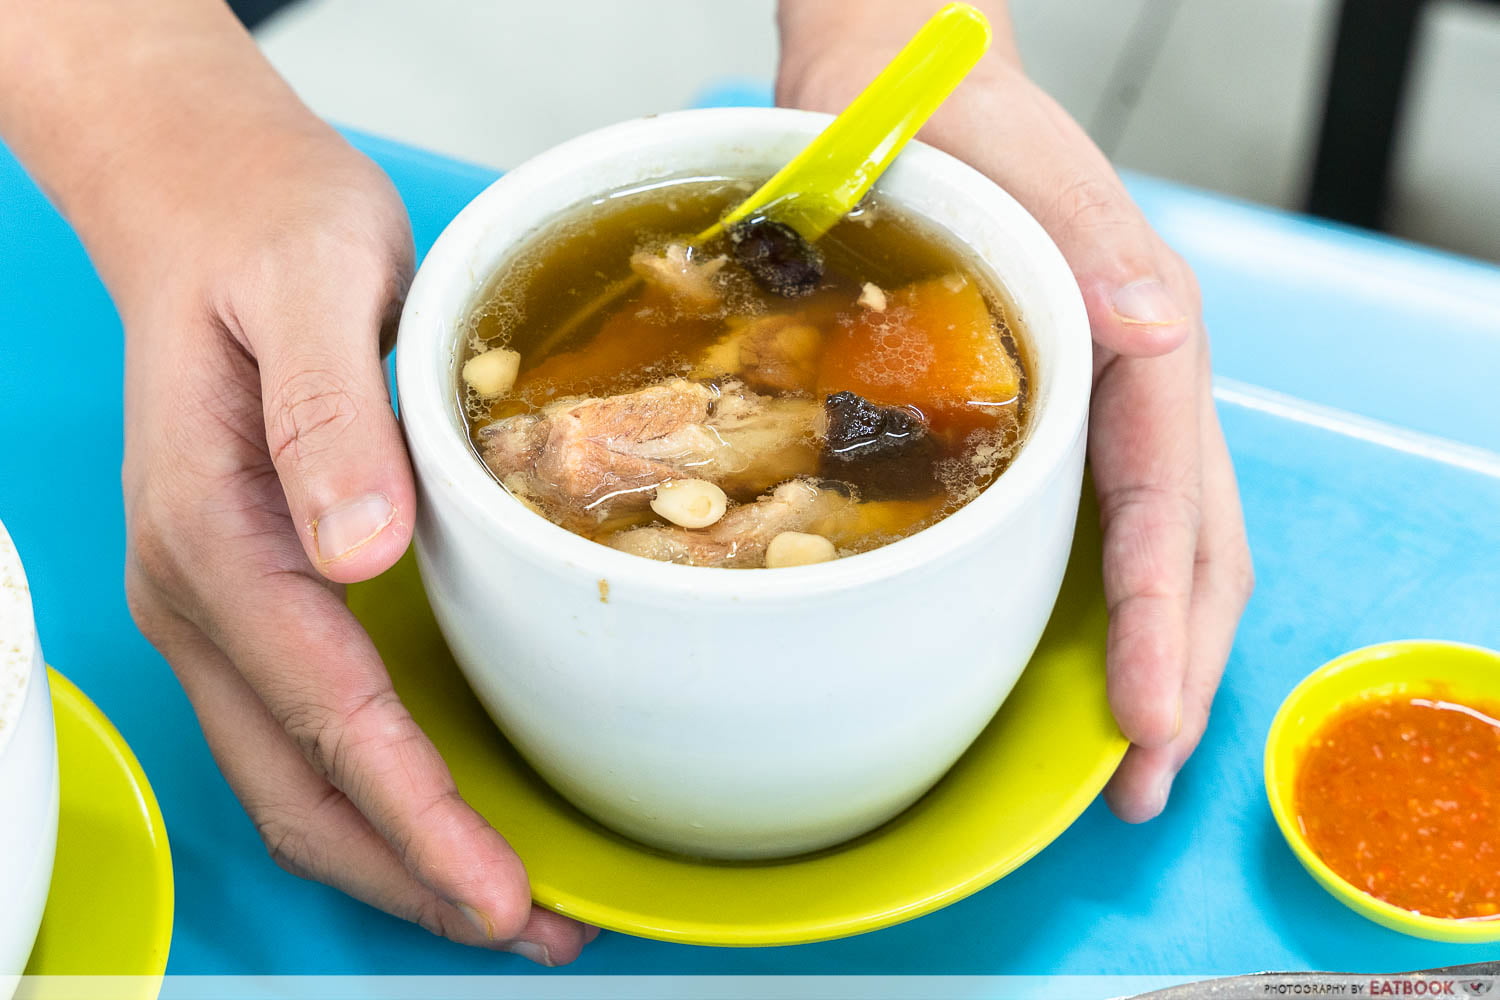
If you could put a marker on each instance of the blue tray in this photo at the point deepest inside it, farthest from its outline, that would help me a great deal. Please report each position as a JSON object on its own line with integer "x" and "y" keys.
{"x": 1357, "y": 387}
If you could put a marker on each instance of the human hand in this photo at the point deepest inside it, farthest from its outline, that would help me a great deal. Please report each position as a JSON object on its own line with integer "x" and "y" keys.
{"x": 1177, "y": 569}
{"x": 258, "y": 263}
{"x": 264, "y": 468}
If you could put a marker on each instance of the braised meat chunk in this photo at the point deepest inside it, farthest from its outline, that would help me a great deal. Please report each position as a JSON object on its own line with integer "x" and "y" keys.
{"x": 596, "y": 455}
{"x": 586, "y": 460}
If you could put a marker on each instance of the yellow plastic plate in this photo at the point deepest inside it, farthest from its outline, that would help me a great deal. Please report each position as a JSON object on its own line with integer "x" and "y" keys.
{"x": 1407, "y": 668}
{"x": 1041, "y": 761}
{"x": 109, "y": 911}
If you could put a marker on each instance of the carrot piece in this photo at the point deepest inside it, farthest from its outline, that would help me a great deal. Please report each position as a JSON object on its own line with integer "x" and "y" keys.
{"x": 935, "y": 346}
{"x": 633, "y": 338}
{"x": 861, "y": 522}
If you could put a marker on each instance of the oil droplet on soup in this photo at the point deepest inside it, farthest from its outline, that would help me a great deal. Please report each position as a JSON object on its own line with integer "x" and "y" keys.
{"x": 872, "y": 389}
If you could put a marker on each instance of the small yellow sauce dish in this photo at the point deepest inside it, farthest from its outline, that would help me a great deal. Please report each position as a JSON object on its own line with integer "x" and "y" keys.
{"x": 1409, "y": 668}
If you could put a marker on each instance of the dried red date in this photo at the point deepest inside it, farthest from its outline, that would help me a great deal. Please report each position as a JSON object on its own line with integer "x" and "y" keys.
{"x": 779, "y": 260}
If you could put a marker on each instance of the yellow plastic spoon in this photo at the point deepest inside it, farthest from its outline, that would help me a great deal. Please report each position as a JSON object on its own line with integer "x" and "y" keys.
{"x": 829, "y": 177}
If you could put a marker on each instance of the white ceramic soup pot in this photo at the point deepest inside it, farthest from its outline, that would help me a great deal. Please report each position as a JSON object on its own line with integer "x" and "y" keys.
{"x": 28, "y": 770}
{"x": 740, "y": 713}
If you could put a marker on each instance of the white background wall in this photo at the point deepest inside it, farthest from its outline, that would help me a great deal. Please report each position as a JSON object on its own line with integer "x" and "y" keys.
{"x": 1221, "y": 94}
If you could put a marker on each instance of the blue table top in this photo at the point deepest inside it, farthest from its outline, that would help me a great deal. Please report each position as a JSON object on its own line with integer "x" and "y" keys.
{"x": 1357, "y": 388}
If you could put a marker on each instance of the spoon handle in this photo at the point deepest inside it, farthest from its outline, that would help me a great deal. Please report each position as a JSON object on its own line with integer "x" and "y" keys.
{"x": 824, "y": 181}
{"x": 829, "y": 177}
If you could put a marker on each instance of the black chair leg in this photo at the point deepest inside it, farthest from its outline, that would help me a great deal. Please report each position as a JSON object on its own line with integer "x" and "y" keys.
{"x": 1362, "y": 109}
{"x": 253, "y": 12}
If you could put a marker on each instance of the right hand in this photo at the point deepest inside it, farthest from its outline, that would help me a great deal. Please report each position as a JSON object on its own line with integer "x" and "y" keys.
{"x": 1176, "y": 565}
{"x": 263, "y": 469}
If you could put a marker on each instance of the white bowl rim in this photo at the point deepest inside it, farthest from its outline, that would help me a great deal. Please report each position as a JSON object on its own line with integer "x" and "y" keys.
{"x": 17, "y": 635}
{"x": 424, "y": 374}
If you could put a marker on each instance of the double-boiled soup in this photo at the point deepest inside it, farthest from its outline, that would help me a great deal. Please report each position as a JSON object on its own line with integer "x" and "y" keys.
{"x": 749, "y": 400}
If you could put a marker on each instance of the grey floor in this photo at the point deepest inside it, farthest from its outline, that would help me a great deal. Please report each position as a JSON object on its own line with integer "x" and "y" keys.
{"x": 1222, "y": 94}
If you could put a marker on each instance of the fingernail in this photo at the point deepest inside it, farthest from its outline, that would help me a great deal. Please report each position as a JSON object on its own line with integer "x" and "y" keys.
{"x": 346, "y": 529}
{"x": 531, "y": 951}
{"x": 590, "y": 933}
{"x": 479, "y": 920}
{"x": 1177, "y": 726}
{"x": 1147, "y": 303}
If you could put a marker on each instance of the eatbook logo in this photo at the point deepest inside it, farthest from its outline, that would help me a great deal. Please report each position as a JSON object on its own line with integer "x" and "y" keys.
{"x": 1478, "y": 987}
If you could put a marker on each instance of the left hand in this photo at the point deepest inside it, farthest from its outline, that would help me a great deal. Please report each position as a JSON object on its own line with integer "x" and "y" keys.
{"x": 255, "y": 259}
{"x": 1177, "y": 569}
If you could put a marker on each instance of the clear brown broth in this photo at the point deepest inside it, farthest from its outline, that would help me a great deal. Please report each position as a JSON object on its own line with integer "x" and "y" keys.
{"x": 584, "y": 255}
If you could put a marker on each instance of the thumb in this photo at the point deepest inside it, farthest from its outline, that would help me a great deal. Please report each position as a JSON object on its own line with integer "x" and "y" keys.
{"x": 333, "y": 438}
{"x": 1141, "y": 299}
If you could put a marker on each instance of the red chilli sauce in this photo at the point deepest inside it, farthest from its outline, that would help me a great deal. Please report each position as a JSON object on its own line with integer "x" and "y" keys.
{"x": 1401, "y": 797}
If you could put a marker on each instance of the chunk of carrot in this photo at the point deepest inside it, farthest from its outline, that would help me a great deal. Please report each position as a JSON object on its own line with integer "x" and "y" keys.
{"x": 632, "y": 339}
{"x": 853, "y": 524}
{"x": 935, "y": 347}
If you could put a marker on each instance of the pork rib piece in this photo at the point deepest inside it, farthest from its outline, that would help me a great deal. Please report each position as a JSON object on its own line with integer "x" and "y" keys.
{"x": 582, "y": 461}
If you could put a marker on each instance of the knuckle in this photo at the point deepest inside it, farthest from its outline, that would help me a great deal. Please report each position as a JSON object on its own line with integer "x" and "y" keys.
{"x": 331, "y": 738}
{"x": 153, "y": 566}
{"x": 421, "y": 840}
{"x": 147, "y": 609}
{"x": 287, "y": 833}
{"x": 1099, "y": 208}
{"x": 362, "y": 244}
{"x": 412, "y": 848}
{"x": 373, "y": 719}
{"x": 1144, "y": 526}
{"x": 316, "y": 733}
{"x": 307, "y": 412}
{"x": 432, "y": 916}
{"x": 151, "y": 559}
{"x": 1092, "y": 203}
{"x": 1183, "y": 280}
{"x": 437, "y": 917}
{"x": 285, "y": 841}
{"x": 1156, "y": 504}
